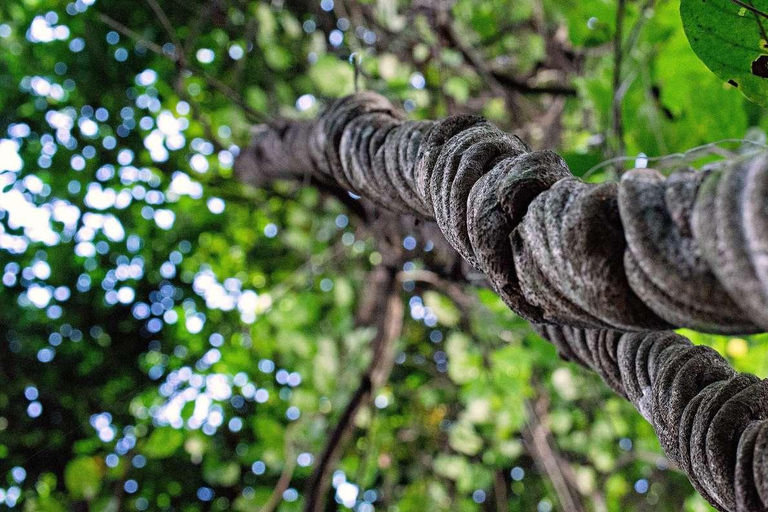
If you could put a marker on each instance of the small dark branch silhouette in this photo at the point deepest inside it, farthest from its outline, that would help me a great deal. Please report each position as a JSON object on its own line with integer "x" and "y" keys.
{"x": 286, "y": 475}
{"x": 177, "y": 56}
{"x": 750, "y": 8}
{"x": 501, "y": 83}
{"x": 618, "y": 58}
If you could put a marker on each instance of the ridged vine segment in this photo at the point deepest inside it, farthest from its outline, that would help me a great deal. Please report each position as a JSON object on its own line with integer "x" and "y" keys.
{"x": 711, "y": 421}
{"x": 602, "y": 270}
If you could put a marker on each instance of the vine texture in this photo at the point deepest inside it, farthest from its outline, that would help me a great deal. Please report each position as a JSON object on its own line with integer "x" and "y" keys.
{"x": 603, "y": 271}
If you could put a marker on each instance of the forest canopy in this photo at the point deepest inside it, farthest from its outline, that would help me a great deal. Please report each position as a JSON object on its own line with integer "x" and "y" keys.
{"x": 175, "y": 339}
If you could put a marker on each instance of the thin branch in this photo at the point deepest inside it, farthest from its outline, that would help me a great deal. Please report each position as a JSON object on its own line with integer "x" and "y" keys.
{"x": 181, "y": 58}
{"x": 682, "y": 157}
{"x": 119, "y": 27}
{"x": 502, "y": 83}
{"x": 231, "y": 94}
{"x": 341, "y": 195}
{"x": 525, "y": 88}
{"x": 249, "y": 35}
{"x": 536, "y": 437}
{"x": 500, "y": 494}
{"x": 160, "y": 13}
{"x": 356, "y": 61}
{"x": 285, "y": 476}
{"x": 454, "y": 291}
{"x": 750, "y": 8}
{"x": 198, "y": 114}
{"x": 620, "y": 87}
{"x": 637, "y": 28}
{"x": 618, "y": 55}
{"x": 181, "y": 52}
{"x": 175, "y": 56}
{"x": 383, "y": 345}
{"x": 504, "y": 31}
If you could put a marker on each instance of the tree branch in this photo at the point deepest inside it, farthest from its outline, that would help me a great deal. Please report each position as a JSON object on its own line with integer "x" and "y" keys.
{"x": 524, "y": 88}
{"x": 502, "y": 83}
{"x": 383, "y": 345}
{"x": 536, "y": 437}
{"x": 285, "y": 476}
{"x": 176, "y": 56}
{"x": 618, "y": 54}
{"x": 750, "y": 8}
{"x": 135, "y": 36}
{"x": 501, "y": 497}
{"x": 160, "y": 13}
{"x": 451, "y": 289}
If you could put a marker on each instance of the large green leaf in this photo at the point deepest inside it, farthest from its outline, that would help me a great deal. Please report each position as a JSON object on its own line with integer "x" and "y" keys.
{"x": 731, "y": 40}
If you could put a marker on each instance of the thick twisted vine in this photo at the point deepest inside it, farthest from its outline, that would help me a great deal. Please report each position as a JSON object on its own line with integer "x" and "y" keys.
{"x": 711, "y": 421}
{"x": 601, "y": 269}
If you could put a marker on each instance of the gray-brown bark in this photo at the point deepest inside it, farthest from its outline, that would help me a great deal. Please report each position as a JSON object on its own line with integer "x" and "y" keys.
{"x": 602, "y": 269}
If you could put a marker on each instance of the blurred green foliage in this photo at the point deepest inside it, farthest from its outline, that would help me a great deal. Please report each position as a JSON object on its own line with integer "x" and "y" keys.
{"x": 175, "y": 341}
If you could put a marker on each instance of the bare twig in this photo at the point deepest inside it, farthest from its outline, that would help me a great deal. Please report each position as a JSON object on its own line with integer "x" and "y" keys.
{"x": 181, "y": 57}
{"x": 500, "y": 494}
{"x": 198, "y": 114}
{"x": 175, "y": 56}
{"x": 508, "y": 29}
{"x": 523, "y": 87}
{"x": 637, "y": 28}
{"x": 354, "y": 59}
{"x": 620, "y": 87}
{"x": 503, "y": 84}
{"x": 160, "y": 13}
{"x": 451, "y": 289}
{"x": 682, "y": 157}
{"x": 285, "y": 476}
{"x": 249, "y": 36}
{"x": 119, "y": 27}
{"x": 181, "y": 52}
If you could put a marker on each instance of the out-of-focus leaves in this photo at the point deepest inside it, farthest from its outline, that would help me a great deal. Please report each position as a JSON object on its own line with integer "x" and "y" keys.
{"x": 464, "y": 363}
{"x": 332, "y": 77}
{"x": 445, "y": 310}
{"x": 464, "y": 439}
{"x": 221, "y": 474}
{"x": 83, "y": 477}
{"x": 163, "y": 442}
{"x": 590, "y": 22}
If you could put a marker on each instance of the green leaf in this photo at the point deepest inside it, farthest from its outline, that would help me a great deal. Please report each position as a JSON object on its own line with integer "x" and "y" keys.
{"x": 163, "y": 442}
{"x": 463, "y": 365}
{"x": 590, "y": 22}
{"x": 451, "y": 466}
{"x": 224, "y": 475}
{"x": 464, "y": 439}
{"x": 457, "y": 88}
{"x": 332, "y": 77}
{"x": 731, "y": 41}
{"x": 444, "y": 309}
{"x": 47, "y": 504}
{"x": 82, "y": 477}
